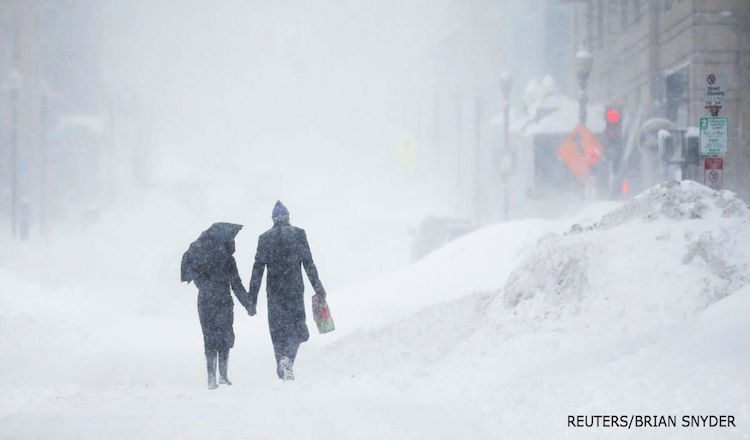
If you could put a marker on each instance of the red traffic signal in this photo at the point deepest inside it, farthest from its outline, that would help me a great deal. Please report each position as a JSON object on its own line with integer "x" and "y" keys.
{"x": 613, "y": 116}
{"x": 613, "y": 130}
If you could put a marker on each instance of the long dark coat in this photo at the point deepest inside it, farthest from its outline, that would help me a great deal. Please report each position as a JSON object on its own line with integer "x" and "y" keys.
{"x": 284, "y": 249}
{"x": 212, "y": 267}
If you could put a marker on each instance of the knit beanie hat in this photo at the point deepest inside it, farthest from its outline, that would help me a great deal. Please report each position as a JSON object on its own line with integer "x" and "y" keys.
{"x": 279, "y": 210}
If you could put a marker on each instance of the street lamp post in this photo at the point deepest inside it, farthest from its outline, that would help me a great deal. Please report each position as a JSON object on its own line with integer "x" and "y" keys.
{"x": 13, "y": 85}
{"x": 506, "y": 83}
{"x": 584, "y": 61}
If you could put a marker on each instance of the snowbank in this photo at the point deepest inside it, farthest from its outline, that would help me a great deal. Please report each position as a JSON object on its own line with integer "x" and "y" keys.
{"x": 640, "y": 312}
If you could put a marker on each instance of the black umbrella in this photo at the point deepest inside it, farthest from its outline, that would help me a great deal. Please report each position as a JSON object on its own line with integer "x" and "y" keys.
{"x": 213, "y": 241}
{"x": 221, "y": 232}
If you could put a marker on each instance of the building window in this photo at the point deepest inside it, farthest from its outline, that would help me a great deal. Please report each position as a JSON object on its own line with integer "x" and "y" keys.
{"x": 624, "y": 21}
{"x": 668, "y": 5}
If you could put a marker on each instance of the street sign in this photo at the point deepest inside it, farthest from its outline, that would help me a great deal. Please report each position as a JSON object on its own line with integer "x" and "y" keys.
{"x": 714, "y": 135}
{"x": 407, "y": 149}
{"x": 716, "y": 88}
{"x": 713, "y": 168}
{"x": 579, "y": 150}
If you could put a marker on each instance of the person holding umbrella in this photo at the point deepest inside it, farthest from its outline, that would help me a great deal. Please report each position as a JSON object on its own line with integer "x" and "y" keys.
{"x": 209, "y": 263}
{"x": 284, "y": 249}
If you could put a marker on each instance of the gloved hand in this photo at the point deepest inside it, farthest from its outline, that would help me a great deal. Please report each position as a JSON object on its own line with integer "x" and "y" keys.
{"x": 251, "y": 309}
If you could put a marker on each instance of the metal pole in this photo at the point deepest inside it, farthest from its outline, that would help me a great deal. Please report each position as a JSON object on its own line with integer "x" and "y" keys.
{"x": 43, "y": 197}
{"x": 477, "y": 154}
{"x": 506, "y": 145}
{"x": 584, "y": 62}
{"x": 506, "y": 123}
{"x": 14, "y": 160}
{"x": 437, "y": 160}
{"x": 582, "y": 101}
{"x": 506, "y": 82}
{"x": 458, "y": 148}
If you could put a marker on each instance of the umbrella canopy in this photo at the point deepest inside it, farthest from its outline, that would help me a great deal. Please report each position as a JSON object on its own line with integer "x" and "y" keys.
{"x": 221, "y": 232}
{"x": 217, "y": 239}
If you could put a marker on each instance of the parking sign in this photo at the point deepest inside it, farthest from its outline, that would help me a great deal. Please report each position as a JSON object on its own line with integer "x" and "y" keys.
{"x": 714, "y": 136}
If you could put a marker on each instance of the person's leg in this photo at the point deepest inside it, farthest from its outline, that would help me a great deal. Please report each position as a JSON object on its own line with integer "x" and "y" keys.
{"x": 211, "y": 367}
{"x": 206, "y": 314}
{"x": 223, "y": 366}
{"x": 291, "y": 351}
{"x": 286, "y": 364}
{"x": 278, "y": 351}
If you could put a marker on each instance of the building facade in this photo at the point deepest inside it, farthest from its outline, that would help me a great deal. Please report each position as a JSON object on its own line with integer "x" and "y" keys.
{"x": 652, "y": 57}
{"x": 21, "y": 110}
{"x": 54, "y": 123}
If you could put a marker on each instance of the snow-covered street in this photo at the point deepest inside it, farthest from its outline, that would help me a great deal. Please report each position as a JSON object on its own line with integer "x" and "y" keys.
{"x": 639, "y": 309}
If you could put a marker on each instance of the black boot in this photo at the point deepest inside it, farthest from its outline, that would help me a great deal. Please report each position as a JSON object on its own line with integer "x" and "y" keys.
{"x": 223, "y": 364}
{"x": 211, "y": 368}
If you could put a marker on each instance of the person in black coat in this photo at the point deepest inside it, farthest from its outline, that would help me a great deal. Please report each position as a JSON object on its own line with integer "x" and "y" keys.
{"x": 209, "y": 263}
{"x": 284, "y": 249}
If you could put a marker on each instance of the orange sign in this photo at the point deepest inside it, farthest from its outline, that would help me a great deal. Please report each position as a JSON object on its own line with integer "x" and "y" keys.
{"x": 579, "y": 150}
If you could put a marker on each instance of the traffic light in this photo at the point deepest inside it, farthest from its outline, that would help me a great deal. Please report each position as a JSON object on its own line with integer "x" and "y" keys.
{"x": 613, "y": 132}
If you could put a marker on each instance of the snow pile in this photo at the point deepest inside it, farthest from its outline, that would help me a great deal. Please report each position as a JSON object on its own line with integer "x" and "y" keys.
{"x": 480, "y": 261}
{"x": 586, "y": 320}
{"x": 657, "y": 260}
{"x": 477, "y": 262}
{"x": 677, "y": 201}
{"x": 677, "y": 248}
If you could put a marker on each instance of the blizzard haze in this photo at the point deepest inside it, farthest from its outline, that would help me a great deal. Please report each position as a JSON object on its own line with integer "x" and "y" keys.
{"x": 244, "y": 103}
{"x": 130, "y": 127}
{"x": 261, "y": 93}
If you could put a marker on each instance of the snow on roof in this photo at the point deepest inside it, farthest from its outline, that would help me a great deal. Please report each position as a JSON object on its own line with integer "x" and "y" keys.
{"x": 557, "y": 114}
{"x": 562, "y": 117}
{"x": 548, "y": 112}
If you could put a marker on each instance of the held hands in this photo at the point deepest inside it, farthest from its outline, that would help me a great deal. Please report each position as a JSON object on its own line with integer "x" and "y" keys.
{"x": 251, "y": 309}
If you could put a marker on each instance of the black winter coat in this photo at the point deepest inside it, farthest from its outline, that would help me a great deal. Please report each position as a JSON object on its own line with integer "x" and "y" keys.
{"x": 215, "y": 305}
{"x": 284, "y": 249}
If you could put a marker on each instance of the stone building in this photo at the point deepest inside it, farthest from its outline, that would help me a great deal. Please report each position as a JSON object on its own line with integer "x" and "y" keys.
{"x": 652, "y": 58}
{"x": 52, "y": 112}
{"x": 21, "y": 115}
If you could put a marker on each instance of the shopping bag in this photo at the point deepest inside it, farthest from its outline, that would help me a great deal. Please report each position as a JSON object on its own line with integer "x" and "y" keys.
{"x": 322, "y": 315}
